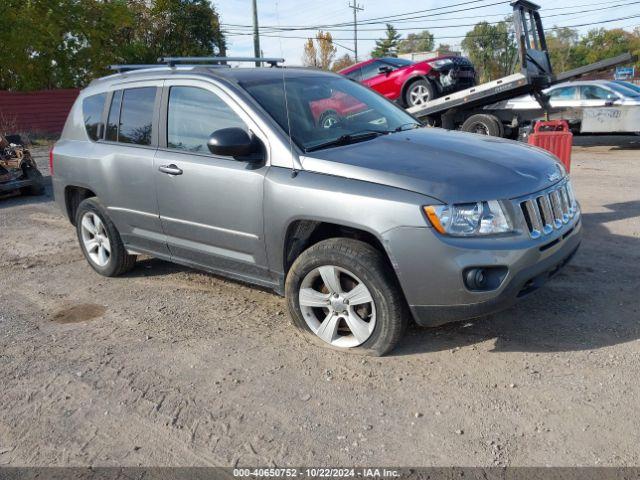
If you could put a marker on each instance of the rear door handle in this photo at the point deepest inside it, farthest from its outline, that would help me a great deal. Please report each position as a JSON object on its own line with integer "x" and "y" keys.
{"x": 170, "y": 169}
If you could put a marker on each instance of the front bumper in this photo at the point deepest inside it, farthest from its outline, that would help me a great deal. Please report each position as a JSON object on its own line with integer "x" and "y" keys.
{"x": 430, "y": 269}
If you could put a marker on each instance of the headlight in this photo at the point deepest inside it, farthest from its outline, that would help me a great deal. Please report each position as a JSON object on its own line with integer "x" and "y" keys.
{"x": 440, "y": 63}
{"x": 469, "y": 219}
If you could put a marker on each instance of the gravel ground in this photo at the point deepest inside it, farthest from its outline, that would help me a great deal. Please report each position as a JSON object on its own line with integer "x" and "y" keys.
{"x": 169, "y": 366}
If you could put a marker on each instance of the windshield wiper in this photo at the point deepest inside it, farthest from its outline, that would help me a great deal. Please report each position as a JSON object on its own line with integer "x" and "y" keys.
{"x": 412, "y": 126}
{"x": 348, "y": 138}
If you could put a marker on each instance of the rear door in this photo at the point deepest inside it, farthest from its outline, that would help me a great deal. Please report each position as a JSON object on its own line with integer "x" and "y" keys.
{"x": 128, "y": 151}
{"x": 211, "y": 211}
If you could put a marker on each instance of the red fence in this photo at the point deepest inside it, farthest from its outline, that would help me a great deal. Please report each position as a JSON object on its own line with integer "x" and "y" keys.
{"x": 42, "y": 111}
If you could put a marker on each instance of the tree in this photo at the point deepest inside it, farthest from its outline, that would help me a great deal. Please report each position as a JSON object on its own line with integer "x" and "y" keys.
{"x": 444, "y": 47}
{"x": 319, "y": 54}
{"x": 561, "y": 44}
{"x": 344, "y": 61}
{"x": 68, "y": 43}
{"x": 388, "y": 46}
{"x": 491, "y": 48}
{"x": 416, "y": 42}
{"x": 599, "y": 44}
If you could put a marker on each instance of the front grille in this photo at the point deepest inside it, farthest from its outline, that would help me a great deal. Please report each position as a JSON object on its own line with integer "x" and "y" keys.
{"x": 549, "y": 210}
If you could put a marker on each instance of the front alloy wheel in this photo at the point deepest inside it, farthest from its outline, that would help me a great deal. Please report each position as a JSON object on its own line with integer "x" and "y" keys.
{"x": 337, "y": 306}
{"x": 342, "y": 293}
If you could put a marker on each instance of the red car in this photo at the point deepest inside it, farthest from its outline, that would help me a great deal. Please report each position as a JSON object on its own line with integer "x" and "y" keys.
{"x": 414, "y": 83}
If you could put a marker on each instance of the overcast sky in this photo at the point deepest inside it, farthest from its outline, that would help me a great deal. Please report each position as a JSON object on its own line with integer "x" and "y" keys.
{"x": 307, "y": 13}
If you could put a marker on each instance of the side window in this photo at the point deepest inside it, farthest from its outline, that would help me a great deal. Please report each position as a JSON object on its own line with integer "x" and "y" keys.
{"x": 193, "y": 115}
{"x": 592, "y": 92}
{"x": 92, "y": 112}
{"x": 136, "y": 115}
{"x": 114, "y": 116}
{"x": 564, "y": 93}
{"x": 370, "y": 70}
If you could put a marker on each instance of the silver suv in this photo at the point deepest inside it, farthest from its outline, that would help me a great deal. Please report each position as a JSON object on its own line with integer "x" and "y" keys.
{"x": 362, "y": 223}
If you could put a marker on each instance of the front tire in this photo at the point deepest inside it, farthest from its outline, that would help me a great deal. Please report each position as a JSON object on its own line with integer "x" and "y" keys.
{"x": 419, "y": 92}
{"x": 100, "y": 241}
{"x": 342, "y": 294}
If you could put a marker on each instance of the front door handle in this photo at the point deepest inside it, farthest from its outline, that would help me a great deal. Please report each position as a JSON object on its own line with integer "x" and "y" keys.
{"x": 170, "y": 169}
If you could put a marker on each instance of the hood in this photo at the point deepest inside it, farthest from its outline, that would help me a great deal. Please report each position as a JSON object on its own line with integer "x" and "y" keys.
{"x": 452, "y": 167}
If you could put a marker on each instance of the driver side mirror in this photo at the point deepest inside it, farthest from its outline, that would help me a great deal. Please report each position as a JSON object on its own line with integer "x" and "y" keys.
{"x": 235, "y": 142}
{"x": 386, "y": 69}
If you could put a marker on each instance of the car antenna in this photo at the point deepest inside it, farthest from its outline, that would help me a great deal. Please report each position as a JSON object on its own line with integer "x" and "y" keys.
{"x": 294, "y": 169}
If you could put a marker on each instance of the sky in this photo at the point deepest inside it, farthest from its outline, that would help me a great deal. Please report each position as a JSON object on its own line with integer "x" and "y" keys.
{"x": 235, "y": 15}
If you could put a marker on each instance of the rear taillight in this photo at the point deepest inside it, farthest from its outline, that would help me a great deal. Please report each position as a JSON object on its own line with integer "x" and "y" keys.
{"x": 51, "y": 162}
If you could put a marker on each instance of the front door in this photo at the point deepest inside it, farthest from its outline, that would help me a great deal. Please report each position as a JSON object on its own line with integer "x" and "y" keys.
{"x": 210, "y": 206}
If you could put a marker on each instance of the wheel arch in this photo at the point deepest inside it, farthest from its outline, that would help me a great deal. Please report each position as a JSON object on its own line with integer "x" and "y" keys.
{"x": 302, "y": 233}
{"x": 73, "y": 196}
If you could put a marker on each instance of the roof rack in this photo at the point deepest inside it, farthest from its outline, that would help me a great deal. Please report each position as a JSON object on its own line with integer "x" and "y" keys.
{"x": 171, "y": 61}
{"x": 197, "y": 61}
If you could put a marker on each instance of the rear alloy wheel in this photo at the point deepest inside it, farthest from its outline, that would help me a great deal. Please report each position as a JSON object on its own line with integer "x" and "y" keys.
{"x": 343, "y": 294}
{"x": 100, "y": 240}
{"x": 419, "y": 93}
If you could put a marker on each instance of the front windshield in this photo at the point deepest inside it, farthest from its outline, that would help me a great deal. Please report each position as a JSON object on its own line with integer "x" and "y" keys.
{"x": 325, "y": 111}
{"x": 397, "y": 62}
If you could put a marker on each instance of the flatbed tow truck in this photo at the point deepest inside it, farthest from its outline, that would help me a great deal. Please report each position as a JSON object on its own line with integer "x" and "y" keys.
{"x": 470, "y": 109}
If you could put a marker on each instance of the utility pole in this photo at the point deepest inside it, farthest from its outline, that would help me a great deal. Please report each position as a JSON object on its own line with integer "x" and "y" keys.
{"x": 355, "y": 8}
{"x": 256, "y": 34}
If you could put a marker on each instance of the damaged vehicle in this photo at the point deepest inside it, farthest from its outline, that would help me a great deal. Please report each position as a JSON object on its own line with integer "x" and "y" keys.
{"x": 18, "y": 171}
{"x": 411, "y": 83}
{"x": 363, "y": 226}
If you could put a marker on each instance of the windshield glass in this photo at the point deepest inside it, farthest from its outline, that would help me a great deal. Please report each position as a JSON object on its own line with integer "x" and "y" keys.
{"x": 397, "y": 62}
{"x": 623, "y": 90}
{"x": 325, "y": 111}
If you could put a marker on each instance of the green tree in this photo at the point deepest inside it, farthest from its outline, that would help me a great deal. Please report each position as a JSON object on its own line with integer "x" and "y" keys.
{"x": 67, "y": 43}
{"x": 491, "y": 48}
{"x": 561, "y": 44}
{"x": 599, "y": 44}
{"x": 444, "y": 47}
{"x": 416, "y": 42}
{"x": 387, "y": 46}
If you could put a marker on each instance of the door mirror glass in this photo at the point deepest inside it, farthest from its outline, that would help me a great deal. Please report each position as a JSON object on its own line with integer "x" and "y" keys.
{"x": 232, "y": 142}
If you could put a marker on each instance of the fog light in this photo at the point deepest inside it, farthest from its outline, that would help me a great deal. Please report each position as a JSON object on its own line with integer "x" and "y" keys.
{"x": 476, "y": 279}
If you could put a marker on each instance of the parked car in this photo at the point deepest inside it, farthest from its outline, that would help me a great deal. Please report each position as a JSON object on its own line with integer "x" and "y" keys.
{"x": 362, "y": 226}
{"x": 413, "y": 83}
{"x": 571, "y": 99}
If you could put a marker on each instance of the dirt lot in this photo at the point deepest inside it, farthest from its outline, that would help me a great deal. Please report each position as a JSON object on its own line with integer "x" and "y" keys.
{"x": 168, "y": 366}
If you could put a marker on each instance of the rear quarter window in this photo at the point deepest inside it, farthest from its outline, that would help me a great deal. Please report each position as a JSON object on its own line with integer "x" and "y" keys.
{"x": 136, "y": 115}
{"x": 92, "y": 108}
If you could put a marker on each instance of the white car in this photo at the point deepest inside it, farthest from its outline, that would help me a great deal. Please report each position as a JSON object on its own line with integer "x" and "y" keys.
{"x": 588, "y": 105}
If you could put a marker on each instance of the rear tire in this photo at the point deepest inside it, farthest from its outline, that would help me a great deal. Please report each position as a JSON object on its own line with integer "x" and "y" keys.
{"x": 369, "y": 323}
{"x": 100, "y": 241}
{"x": 483, "y": 124}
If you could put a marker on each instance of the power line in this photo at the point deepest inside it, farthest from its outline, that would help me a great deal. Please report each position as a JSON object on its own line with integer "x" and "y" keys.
{"x": 272, "y": 35}
{"x": 435, "y": 27}
{"x": 386, "y": 18}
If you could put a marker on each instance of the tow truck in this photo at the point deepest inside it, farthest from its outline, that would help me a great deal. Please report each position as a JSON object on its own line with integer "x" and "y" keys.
{"x": 470, "y": 109}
